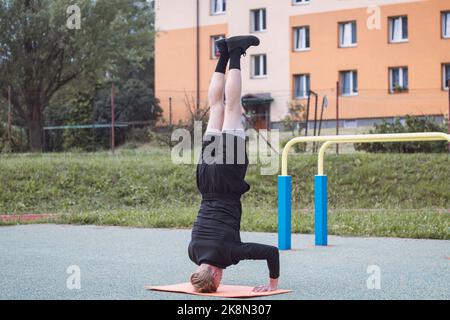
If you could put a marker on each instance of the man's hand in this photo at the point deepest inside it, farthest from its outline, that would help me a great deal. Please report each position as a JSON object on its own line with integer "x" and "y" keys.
{"x": 273, "y": 285}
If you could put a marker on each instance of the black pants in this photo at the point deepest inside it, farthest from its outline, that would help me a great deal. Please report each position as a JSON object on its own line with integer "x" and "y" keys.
{"x": 223, "y": 166}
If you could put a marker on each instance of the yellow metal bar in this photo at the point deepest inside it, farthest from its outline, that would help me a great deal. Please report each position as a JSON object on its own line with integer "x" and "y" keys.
{"x": 321, "y": 157}
{"x": 363, "y": 138}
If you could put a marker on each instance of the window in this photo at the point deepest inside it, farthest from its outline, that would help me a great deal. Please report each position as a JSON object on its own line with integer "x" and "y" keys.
{"x": 446, "y": 24}
{"x": 347, "y": 34}
{"x": 445, "y": 75}
{"x": 349, "y": 83}
{"x": 398, "y": 79}
{"x": 214, "y": 49}
{"x": 259, "y": 66}
{"x": 258, "y": 18}
{"x": 301, "y": 85}
{"x": 294, "y": 2}
{"x": 218, "y": 6}
{"x": 350, "y": 124}
{"x": 301, "y": 38}
{"x": 398, "y": 29}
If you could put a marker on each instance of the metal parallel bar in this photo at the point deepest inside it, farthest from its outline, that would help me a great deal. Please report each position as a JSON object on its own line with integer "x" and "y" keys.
{"x": 321, "y": 157}
{"x": 394, "y": 137}
{"x": 320, "y": 181}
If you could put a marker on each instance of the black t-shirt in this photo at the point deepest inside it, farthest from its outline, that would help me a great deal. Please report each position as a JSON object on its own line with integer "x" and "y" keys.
{"x": 215, "y": 235}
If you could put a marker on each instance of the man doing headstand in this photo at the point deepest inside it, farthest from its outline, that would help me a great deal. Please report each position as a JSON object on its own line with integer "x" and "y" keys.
{"x": 215, "y": 241}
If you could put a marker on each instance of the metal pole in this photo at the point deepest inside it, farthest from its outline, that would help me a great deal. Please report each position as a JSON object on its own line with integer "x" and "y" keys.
{"x": 315, "y": 113}
{"x": 324, "y": 100}
{"x": 9, "y": 116}
{"x": 44, "y": 144}
{"x": 448, "y": 120}
{"x": 170, "y": 120}
{"x": 337, "y": 114}
{"x": 198, "y": 55}
{"x": 94, "y": 137}
{"x": 170, "y": 112}
{"x": 316, "y": 97}
{"x": 112, "y": 119}
{"x": 307, "y": 113}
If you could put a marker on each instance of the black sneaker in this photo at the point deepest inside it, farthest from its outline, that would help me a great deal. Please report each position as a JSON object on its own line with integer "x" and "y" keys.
{"x": 243, "y": 42}
{"x": 222, "y": 46}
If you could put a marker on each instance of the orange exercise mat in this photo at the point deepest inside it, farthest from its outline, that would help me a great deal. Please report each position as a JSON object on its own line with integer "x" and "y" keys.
{"x": 224, "y": 291}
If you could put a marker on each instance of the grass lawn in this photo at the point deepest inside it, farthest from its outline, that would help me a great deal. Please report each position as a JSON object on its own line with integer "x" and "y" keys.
{"x": 396, "y": 195}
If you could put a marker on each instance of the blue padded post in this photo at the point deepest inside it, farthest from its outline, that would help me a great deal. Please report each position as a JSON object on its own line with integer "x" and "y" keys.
{"x": 284, "y": 212}
{"x": 321, "y": 210}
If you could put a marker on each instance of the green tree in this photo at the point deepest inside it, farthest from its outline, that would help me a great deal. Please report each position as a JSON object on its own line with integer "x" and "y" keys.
{"x": 40, "y": 56}
{"x": 79, "y": 112}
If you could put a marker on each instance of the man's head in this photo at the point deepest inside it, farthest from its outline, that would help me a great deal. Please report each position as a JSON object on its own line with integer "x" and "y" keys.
{"x": 206, "y": 278}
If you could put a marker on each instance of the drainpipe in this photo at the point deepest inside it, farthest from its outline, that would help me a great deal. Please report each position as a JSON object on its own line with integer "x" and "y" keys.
{"x": 198, "y": 54}
{"x": 337, "y": 114}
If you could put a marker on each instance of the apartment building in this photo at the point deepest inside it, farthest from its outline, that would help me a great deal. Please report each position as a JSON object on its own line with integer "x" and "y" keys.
{"x": 380, "y": 58}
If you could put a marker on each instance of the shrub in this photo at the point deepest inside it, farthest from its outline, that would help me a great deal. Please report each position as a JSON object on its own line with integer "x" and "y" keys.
{"x": 296, "y": 117}
{"x": 411, "y": 124}
{"x": 295, "y": 122}
{"x": 138, "y": 135}
{"x": 298, "y": 147}
{"x": 18, "y": 141}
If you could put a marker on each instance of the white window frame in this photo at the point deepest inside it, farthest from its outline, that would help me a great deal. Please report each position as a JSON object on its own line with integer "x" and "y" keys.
{"x": 401, "y": 70}
{"x": 305, "y": 87}
{"x": 262, "y": 13}
{"x": 444, "y": 80}
{"x": 297, "y": 31}
{"x": 341, "y": 26}
{"x": 392, "y": 21}
{"x": 261, "y": 60}
{"x": 445, "y": 24}
{"x": 220, "y": 9}
{"x": 300, "y": 2}
{"x": 213, "y": 45}
{"x": 352, "y": 93}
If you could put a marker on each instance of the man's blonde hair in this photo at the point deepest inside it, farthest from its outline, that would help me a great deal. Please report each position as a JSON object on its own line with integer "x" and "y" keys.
{"x": 203, "y": 281}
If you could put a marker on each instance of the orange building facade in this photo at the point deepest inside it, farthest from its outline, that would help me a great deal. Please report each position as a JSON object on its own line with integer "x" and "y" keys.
{"x": 383, "y": 58}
